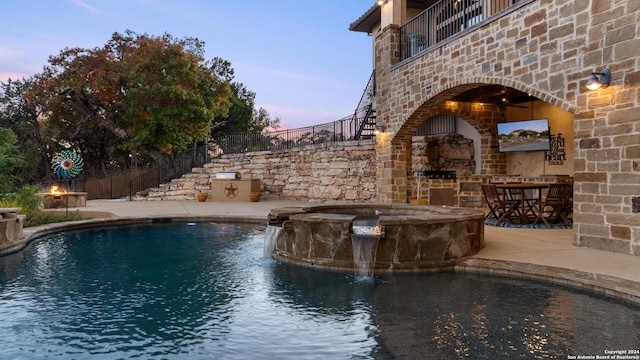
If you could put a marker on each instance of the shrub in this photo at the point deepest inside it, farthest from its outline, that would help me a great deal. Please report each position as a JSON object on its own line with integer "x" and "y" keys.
{"x": 28, "y": 200}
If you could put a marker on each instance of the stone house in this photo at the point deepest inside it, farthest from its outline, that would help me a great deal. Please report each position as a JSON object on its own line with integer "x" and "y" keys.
{"x": 448, "y": 73}
{"x": 487, "y": 62}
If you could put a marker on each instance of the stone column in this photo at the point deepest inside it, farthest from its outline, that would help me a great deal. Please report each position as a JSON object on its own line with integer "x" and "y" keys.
{"x": 391, "y": 155}
{"x": 392, "y": 160}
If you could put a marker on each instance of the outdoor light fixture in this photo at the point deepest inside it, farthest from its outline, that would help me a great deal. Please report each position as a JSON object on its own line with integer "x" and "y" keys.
{"x": 382, "y": 2}
{"x": 379, "y": 129}
{"x": 599, "y": 80}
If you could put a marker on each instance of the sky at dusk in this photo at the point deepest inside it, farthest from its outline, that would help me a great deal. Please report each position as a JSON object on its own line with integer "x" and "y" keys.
{"x": 298, "y": 56}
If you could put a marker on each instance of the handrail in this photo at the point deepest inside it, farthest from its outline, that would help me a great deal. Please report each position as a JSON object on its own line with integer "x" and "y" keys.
{"x": 368, "y": 96}
{"x": 340, "y": 130}
{"x": 164, "y": 172}
{"x": 364, "y": 114}
{"x": 126, "y": 183}
{"x": 447, "y": 19}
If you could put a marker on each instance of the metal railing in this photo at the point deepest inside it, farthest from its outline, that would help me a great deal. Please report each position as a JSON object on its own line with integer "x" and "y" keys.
{"x": 341, "y": 130}
{"x": 366, "y": 110}
{"x": 285, "y": 139}
{"x": 345, "y": 129}
{"x": 173, "y": 168}
{"x": 126, "y": 183}
{"x": 446, "y": 19}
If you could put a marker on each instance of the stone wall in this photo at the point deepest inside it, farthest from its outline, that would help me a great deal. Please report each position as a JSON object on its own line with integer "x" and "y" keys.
{"x": 340, "y": 171}
{"x": 337, "y": 171}
{"x": 443, "y": 152}
{"x": 547, "y": 49}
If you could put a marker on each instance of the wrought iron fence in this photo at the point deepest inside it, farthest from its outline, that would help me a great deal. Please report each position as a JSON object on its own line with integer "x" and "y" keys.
{"x": 448, "y": 18}
{"x": 127, "y": 183}
{"x": 347, "y": 128}
{"x": 340, "y": 130}
{"x": 173, "y": 168}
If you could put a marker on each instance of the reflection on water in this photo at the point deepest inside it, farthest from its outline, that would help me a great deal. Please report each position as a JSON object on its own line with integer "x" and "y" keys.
{"x": 480, "y": 317}
{"x": 206, "y": 291}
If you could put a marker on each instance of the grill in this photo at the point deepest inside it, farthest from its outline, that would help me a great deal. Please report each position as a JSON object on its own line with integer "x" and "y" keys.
{"x": 439, "y": 174}
{"x": 227, "y": 175}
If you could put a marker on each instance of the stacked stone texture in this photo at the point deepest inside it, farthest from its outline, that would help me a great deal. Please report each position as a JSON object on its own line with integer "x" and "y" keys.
{"x": 340, "y": 171}
{"x": 548, "y": 49}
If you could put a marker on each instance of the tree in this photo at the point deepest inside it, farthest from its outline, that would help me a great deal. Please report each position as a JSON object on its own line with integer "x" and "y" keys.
{"x": 138, "y": 95}
{"x": 22, "y": 119}
{"x": 9, "y": 159}
{"x": 243, "y": 117}
{"x": 261, "y": 120}
{"x": 245, "y": 121}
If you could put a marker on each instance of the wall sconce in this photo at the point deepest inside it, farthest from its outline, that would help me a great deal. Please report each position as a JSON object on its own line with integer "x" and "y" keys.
{"x": 599, "y": 80}
{"x": 381, "y": 2}
{"x": 379, "y": 129}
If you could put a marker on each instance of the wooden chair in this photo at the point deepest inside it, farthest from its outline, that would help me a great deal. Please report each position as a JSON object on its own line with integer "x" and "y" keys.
{"x": 500, "y": 207}
{"x": 555, "y": 206}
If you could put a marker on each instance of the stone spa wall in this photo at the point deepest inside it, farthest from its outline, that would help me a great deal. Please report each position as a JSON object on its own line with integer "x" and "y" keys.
{"x": 406, "y": 238}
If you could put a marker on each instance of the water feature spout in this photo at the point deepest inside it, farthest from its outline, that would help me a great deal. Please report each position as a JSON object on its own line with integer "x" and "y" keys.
{"x": 365, "y": 237}
{"x": 364, "y": 253}
{"x": 271, "y": 236}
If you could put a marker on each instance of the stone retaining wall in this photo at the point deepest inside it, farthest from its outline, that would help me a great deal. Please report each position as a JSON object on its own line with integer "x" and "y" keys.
{"x": 342, "y": 171}
{"x": 326, "y": 172}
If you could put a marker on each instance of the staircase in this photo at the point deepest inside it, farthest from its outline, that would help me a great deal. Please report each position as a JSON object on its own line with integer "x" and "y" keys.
{"x": 365, "y": 114}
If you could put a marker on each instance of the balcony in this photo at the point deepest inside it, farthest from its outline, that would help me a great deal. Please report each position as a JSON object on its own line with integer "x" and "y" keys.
{"x": 447, "y": 20}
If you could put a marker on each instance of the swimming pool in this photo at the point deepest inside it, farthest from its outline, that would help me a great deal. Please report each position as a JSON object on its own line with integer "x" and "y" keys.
{"x": 173, "y": 291}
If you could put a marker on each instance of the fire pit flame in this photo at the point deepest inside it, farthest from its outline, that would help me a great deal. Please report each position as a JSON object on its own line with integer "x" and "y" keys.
{"x": 54, "y": 191}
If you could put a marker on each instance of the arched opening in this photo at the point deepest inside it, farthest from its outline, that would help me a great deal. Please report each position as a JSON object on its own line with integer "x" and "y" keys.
{"x": 457, "y": 131}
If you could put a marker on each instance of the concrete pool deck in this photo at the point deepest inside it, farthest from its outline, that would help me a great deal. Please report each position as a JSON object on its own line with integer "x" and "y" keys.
{"x": 545, "y": 254}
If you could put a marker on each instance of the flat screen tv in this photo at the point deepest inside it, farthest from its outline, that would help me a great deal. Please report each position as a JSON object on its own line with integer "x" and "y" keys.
{"x": 526, "y": 135}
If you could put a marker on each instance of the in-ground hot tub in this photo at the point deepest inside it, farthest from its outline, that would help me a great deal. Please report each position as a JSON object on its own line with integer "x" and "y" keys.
{"x": 400, "y": 237}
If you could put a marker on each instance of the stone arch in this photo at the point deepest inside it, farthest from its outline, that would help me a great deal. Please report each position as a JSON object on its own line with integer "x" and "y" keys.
{"x": 433, "y": 105}
{"x": 541, "y": 94}
{"x": 482, "y": 117}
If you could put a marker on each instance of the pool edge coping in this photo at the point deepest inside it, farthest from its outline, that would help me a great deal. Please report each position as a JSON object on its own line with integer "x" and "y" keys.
{"x": 607, "y": 285}
{"x": 611, "y": 286}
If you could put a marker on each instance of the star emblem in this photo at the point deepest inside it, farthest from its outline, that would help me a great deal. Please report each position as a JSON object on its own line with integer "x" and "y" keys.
{"x": 231, "y": 190}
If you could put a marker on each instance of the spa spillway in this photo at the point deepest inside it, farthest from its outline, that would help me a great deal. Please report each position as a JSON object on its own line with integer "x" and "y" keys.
{"x": 397, "y": 237}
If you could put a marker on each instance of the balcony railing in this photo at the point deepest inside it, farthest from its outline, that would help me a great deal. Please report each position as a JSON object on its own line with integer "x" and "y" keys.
{"x": 448, "y": 19}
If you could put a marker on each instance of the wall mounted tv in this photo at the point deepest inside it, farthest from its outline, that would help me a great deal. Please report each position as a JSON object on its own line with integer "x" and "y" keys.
{"x": 526, "y": 135}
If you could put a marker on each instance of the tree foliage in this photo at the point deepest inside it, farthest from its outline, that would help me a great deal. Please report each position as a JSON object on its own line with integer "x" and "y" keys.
{"x": 128, "y": 103}
{"x": 17, "y": 115}
{"x": 138, "y": 94}
{"x": 9, "y": 159}
{"x": 243, "y": 117}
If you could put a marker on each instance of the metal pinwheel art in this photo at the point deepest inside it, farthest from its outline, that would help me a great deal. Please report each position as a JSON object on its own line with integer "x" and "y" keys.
{"x": 67, "y": 164}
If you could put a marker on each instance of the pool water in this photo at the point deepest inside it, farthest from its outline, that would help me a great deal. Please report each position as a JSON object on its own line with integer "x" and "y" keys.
{"x": 174, "y": 291}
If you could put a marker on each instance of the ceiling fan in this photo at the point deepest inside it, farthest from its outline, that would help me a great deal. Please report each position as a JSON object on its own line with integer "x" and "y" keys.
{"x": 503, "y": 103}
